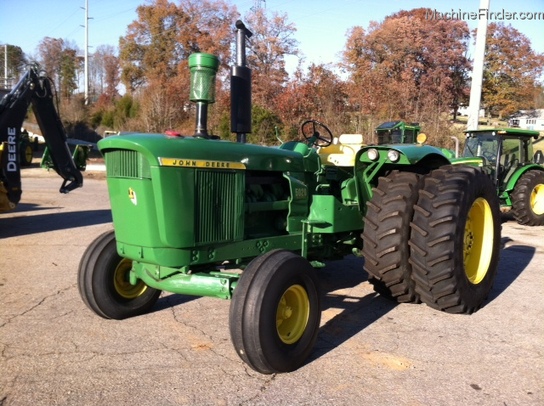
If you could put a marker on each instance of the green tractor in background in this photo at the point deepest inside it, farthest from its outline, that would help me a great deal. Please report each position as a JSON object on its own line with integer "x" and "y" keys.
{"x": 26, "y": 149}
{"x": 517, "y": 171}
{"x": 196, "y": 215}
{"x": 399, "y": 132}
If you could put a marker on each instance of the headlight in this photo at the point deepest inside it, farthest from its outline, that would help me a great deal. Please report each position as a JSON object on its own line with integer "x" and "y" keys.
{"x": 393, "y": 155}
{"x": 373, "y": 154}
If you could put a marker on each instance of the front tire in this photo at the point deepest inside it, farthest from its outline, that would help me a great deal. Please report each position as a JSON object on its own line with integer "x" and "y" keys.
{"x": 103, "y": 282}
{"x": 275, "y": 312}
{"x": 455, "y": 239}
{"x": 528, "y": 199}
{"x": 386, "y": 235}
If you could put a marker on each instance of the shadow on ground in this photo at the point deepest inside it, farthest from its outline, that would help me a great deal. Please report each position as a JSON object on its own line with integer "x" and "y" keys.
{"x": 25, "y": 224}
{"x": 355, "y": 313}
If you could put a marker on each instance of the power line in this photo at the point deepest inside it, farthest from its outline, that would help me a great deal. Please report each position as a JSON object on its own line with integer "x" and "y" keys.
{"x": 258, "y": 5}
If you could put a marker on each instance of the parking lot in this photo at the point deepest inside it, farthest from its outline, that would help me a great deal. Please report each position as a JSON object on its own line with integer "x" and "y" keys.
{"x": 55, "y": 351}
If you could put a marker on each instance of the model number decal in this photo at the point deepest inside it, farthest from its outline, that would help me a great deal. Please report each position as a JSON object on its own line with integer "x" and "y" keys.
{"x": 197, "y": 163}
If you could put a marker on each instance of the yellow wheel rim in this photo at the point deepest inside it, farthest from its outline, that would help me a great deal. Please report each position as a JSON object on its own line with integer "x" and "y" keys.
{"x": 29, "y": 153}
{"x": 122, "y": 284}
{"x": 537, "y": 200}
{"x": 478, "y": 242}
{"x": 292, "y": 314}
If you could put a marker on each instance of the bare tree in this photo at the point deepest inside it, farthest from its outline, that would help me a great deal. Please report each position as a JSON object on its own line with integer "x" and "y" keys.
{"x": 273, "y": 39}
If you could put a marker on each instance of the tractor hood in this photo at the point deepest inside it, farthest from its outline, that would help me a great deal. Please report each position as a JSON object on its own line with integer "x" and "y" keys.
{"x": 175, "y": 151}
{"x": 410, "y": 154}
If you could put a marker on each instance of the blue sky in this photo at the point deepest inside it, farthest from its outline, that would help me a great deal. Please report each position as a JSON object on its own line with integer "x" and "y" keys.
{"x": 321, "y": 24}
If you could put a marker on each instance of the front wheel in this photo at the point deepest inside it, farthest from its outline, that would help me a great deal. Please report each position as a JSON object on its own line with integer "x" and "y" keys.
{"x": 528, "y": 199}
{"x": 103, "y": 282}
{"x": 455, "y": 240}
{"x": 275, "y": 312}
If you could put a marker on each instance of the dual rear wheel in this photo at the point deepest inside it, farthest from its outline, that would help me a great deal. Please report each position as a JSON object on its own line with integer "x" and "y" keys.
{"x": 434, "y": 238}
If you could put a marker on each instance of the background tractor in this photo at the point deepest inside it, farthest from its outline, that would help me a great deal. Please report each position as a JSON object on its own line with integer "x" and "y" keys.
{"x": 399, "y": 132}
{"x": 517, "y": 171}
{"x": 196, "y": 215}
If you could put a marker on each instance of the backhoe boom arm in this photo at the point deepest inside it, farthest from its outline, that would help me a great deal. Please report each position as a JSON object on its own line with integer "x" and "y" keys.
{"x": 33, "y": 90}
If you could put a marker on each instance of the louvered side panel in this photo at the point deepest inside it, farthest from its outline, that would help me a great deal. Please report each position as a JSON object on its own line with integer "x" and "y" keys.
{"x": 219, "y": 206}
{"x": 126, "y": 164}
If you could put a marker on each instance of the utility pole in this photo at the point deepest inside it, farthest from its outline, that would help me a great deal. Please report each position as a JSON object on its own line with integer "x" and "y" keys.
{"x": 86, "y": 53}
{"x": 5, "y": 66}
{"x": 478, "y": 68}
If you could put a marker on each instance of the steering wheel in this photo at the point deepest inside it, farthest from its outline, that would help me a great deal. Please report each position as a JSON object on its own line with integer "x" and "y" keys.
{"x": 310, "y": 131}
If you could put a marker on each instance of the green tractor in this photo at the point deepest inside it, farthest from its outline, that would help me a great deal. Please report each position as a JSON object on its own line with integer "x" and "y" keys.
{"x": 26, "y": 149}
{"x": 399, "y": 132}
{"x": 196, "y": 215}
{"x": 518, "y": 172}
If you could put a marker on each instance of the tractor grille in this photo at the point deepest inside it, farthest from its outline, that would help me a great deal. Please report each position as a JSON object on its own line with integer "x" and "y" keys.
{"x": 127, "y": 164}
{"x": 219, "y": 206}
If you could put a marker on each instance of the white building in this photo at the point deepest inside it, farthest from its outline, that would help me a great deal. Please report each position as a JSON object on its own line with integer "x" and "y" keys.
{"x": 528, "y": 120}
{"x": 464, "y": 110}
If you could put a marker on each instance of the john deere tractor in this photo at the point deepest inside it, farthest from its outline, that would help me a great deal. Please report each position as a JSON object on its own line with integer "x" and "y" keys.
{"x": 196, "y": 215}
{"x": 517, "y": 171}
{"x": 399, "y": 132}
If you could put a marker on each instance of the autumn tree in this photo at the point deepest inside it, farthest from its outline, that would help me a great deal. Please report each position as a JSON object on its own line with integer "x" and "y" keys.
{"x": 59, "y": 59}
{"x": 68, "y": 72}
{"x": 104, "y": 72}
{"x": 273, "y": 39}
{"x": 539, "y": 97}
{"x": 316, "y": 93}
{"x": 153, "y": 55}
{"x": 406, "y": 67}
{"x": 512, "y": 70}
{"x": 16, "y": 61}
{"x": 50, "y": 53}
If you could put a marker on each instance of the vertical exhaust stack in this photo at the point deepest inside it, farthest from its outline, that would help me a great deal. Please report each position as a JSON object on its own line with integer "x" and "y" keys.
{"x": 203, "y": 69}
{"x": 240, "y": 87}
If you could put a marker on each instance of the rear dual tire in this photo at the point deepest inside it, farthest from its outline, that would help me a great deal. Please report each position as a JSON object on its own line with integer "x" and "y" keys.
{"x": 455, "y": 239}
{"x": 386, "y": 235}
{"x": 434, "y": 238}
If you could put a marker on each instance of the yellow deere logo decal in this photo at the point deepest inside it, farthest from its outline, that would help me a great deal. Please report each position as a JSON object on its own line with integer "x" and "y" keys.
{"x": 198, "y": 163}
{"x": 132, "y": 196}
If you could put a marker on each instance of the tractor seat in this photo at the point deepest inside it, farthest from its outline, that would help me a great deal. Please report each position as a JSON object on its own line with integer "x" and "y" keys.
{"x": 342, "y": 151}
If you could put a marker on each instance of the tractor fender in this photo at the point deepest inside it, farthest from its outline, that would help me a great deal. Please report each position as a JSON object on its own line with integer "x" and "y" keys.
{"x": 410, "y": 154}
{"x": 370, "y": 165}
{"x": 511, "y": 183}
